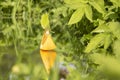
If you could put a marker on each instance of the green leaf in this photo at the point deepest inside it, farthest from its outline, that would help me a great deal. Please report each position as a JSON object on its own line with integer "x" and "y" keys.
{"x": 94, "y": 42}
{"x": 84, "y": 1}
{"x": 109, "y": 15}
{"x": 108, "y": 41}
{"x": 71, "y": 1}
{"x": 74, "y": 5}
{"x": 108, "y": 65}
{"x": 2, "y": 43}
{"x": 7, "y": 30}
{"x": 100, "y": 2}
{"x": 45, "y": 21}
{"x": 76, "y": 16}
{"x": 116, "y": 48}
{"x": 116, "y": 2}
{"x": 98, "y": 5}
{"x": 101, "y": 28}
{"x": 74, "y": 75}
{"x": 88, "y": 12}
{"x": 115, "y": 28}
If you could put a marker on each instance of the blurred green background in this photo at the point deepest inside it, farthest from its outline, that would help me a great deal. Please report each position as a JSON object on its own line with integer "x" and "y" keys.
{"x": 20, "y": 36}
{"x": 87, "y": 45}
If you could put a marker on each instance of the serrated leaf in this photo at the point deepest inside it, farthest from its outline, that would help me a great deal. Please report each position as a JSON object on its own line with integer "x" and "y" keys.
{"x": 94, "y": 42}
{"x": 76, "y": 16}
{"x": 98, "y": 5}
{"x": 115, "y": 28}
{"x": 45, "y": 21}
{"x": 88, "y": 12}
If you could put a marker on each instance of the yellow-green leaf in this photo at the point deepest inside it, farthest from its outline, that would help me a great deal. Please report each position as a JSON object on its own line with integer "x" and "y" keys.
{"x": 116, "y": 2}
{"x": 88, "y": 12}
{"x": 74, "y": 5}
{"x": 98, "y": 5}
{"x": 116, "y": 48}
{"x": 45, "y": 21}
{"x": 94, "y": 42}
{"x": 101, "y": 28}
{"x": 76, "y": 16}
{"x": 108, "y": 64}
{"x": 115, "y": 28}
{"x": 71, "y": 1}
{"x": 108, "y": 41}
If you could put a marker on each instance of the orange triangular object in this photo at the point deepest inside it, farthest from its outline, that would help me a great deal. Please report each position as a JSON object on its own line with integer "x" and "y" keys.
{"x": 48, "y": 57}
{"x": 47, "y": 42}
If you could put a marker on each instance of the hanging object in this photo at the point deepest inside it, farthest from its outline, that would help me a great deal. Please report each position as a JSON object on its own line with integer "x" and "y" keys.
{"x": 47, "y": 45}
{"x": 47, "y": 42}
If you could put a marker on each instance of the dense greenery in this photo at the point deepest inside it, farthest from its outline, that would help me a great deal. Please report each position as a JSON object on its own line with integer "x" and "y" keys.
{"x": 86, "y": 33}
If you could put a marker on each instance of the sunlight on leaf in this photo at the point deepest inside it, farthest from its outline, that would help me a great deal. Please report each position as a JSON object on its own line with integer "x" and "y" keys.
{"x": 88, "y": 12}
{"x": 98, "y": 5}
{"x": 101, "y": 28}
{"x": 74, "y": 6}
{"x": 108, "y": 41}
{"x": 45, "y": 21}
{"x": 115, "y": 28}
{"x": 95, "y": 41}
{"x": 116, "y": 2}
{"x": 72, "y": 2}
{"x": 76, "y": 16}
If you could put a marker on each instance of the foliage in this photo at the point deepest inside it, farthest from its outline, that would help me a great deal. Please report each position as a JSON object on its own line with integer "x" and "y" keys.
{"x": 45, "y": 21}
{"x": 86, "y": 33}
